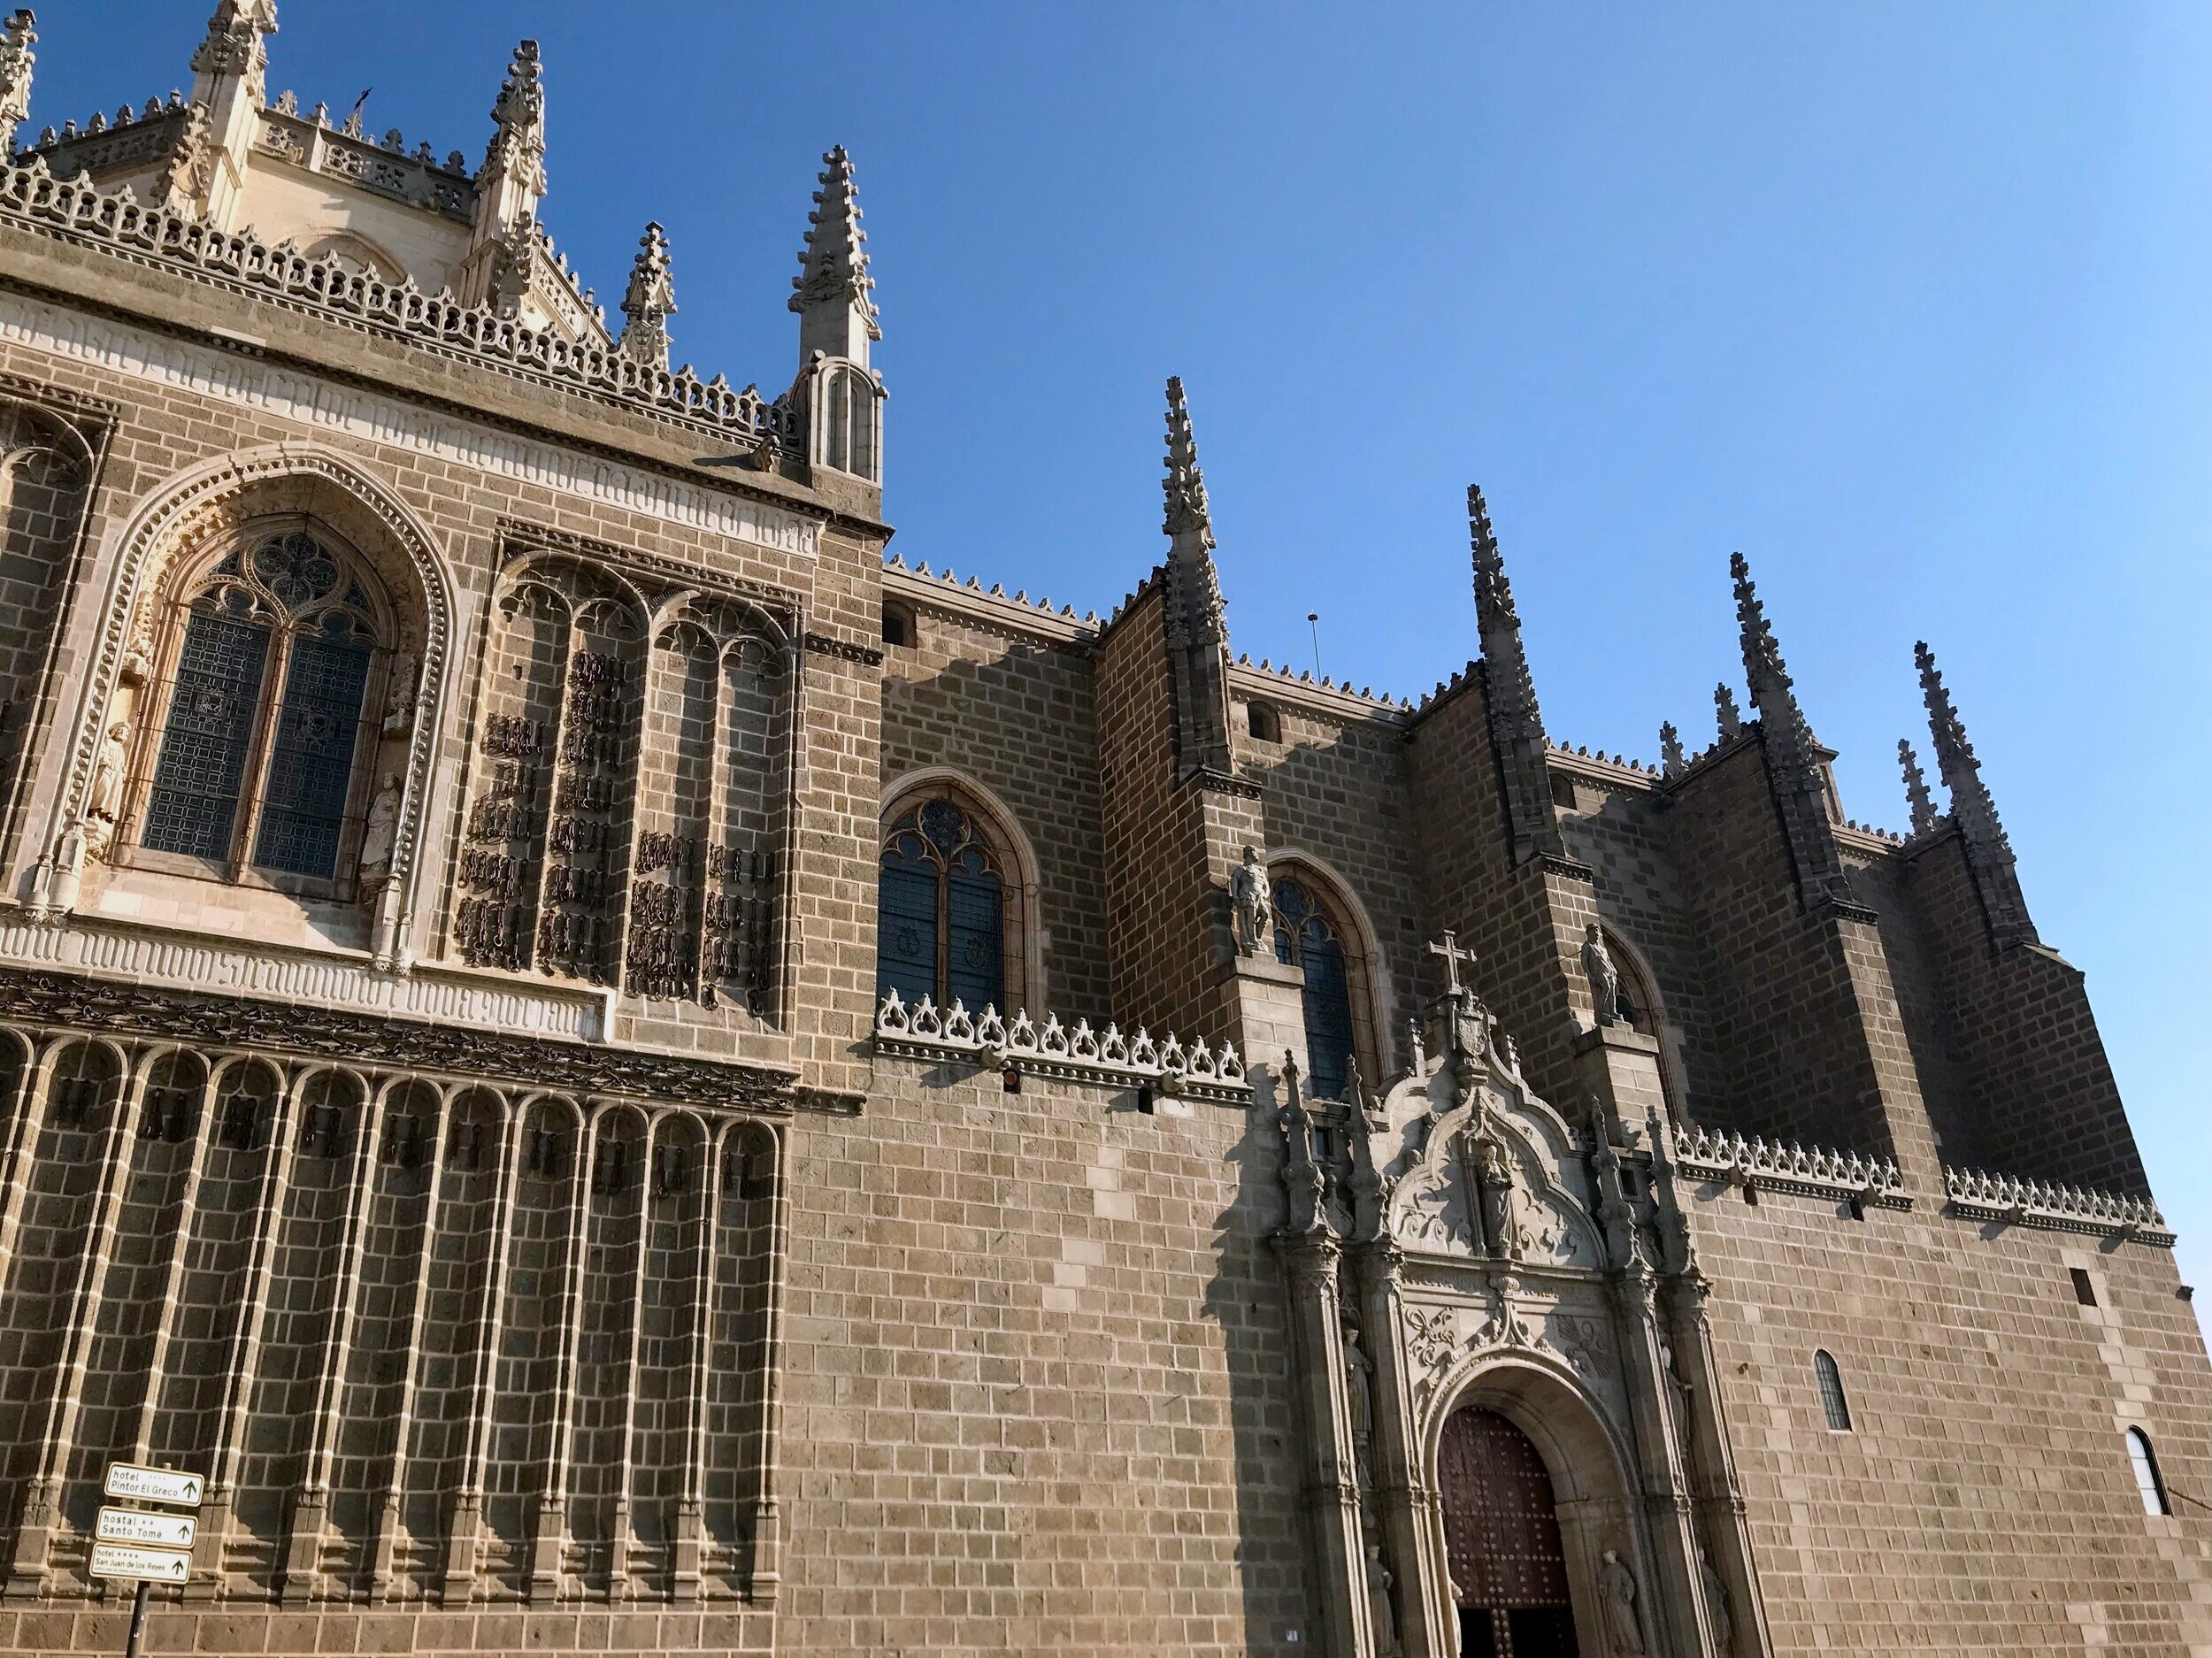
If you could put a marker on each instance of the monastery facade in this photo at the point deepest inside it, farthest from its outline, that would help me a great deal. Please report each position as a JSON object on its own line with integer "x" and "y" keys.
{"x": 619, "y": 1069}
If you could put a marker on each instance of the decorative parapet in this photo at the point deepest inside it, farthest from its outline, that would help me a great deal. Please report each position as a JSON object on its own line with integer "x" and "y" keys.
{"x": 77, "y": 212}
{"x": 1807, "y": 1170}
{"x": 1977, "y": 1195}
{"x": 1077, "y": 1055}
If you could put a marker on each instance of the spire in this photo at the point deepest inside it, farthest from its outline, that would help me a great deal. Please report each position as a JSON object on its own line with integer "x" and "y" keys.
{"x": 16, "y": 58}
{"x": 1516, "y": 725}
{"x": 1795, "y": 771}
{"x": 511, "y": 182}
{"x": 1725, "y": 706}
{"x": 830, "y": 294}
{"x": 227, "y": 86}
{"x": 1917, "y": 800}
{"x": 1185, "y": 486}
{"x": 1670, "y": 760}
{"x": 1196, "y": 619}
{"x": 649, "y": 302}
{"x": 1988, "y": 850}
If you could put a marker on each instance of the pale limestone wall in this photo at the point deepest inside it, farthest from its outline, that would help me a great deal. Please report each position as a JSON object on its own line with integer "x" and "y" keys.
{"x": 1983, "y": 1503}
{"x": 284, "y": 204}
{"x": 1036, "y": 1390}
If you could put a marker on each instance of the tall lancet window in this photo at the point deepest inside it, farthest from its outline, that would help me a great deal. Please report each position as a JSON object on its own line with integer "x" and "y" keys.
{"x": 941, "y": 912}
{"x": 1307, "y": 936}
{"x": 262, "y": 747}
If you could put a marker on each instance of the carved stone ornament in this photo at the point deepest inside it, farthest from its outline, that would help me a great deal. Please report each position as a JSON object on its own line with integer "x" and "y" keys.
{"x": 1252, "y": 897}
{"x": 1623, "y": 1628}
{"x": 1605, "y": 978}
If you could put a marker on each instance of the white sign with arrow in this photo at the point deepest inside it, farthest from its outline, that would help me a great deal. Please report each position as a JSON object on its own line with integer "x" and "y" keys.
{"x": 130, "y": 1563}
{"x": 137, "y": 1526}
{"x": 154, "y": 1485}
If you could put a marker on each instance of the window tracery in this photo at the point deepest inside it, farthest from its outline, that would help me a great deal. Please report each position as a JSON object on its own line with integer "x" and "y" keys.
{"x": 942, "y": 926}
{"x": 1309, "y": 937}
{"x": 257, "y": 750}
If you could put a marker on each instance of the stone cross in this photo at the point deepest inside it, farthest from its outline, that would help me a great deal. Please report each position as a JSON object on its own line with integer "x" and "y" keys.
{"x": 1453, "y": 956}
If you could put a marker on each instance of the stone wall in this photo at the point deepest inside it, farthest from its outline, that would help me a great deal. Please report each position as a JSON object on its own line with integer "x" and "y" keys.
{"x": 1983, "y": 1502}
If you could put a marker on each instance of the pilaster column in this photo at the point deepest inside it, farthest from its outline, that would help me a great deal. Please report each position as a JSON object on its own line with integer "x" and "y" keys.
{"x": 1331, "y": 1474}
{"x": 765, "y": 1579}
{"x": 309, "y": 1530}
{"x": 1411, "y": 1541}
{"x": 689, "y": 1536}
{"x": 549, "y": 1539}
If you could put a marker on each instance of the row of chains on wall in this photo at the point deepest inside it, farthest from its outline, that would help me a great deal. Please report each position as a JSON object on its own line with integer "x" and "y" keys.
{"x": 701, "y": 923}
{"x": 488, "y": 926}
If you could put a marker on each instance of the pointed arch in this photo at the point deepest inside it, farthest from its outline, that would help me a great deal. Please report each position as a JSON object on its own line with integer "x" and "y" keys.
{"x": 1647, "y": 1009}
{"x": 1366, "y": 988}
{"x": 1009, "y": 854}
{"x": 218, "y": 496}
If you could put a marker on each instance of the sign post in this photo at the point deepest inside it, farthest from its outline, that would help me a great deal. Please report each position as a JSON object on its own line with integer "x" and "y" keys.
{"x": 142, "y": 1546}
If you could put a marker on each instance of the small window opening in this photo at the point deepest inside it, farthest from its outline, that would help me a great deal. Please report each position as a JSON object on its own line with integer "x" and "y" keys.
{"x": 898, "y": 625}
{"x": 1265, "y": 725}
{"x": 1010, "y": 1079}
{"x": 2085, "y": 1292}
{"x": 1563, "y": 791}
{"x": 2148, "y": 1484}
{"x": 1831, "y": 1399}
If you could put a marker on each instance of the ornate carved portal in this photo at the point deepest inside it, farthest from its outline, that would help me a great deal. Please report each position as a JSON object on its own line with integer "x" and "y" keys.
{"x": 1505, "y": 1371}
{"x": 1501, "y": 1542}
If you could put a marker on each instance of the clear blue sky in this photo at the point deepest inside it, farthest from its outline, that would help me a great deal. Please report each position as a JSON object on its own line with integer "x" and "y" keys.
{"x": 1911, "y": 303}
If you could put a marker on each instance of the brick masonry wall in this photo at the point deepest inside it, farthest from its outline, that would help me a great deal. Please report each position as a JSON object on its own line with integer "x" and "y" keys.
{"x": 1784, "y": 1002}
{"x": 2044, "y": 1101}
{"x": 1984, "y": 1502}
{"x": 1036, "y": 1395}
{"x": 1017, "y": 715}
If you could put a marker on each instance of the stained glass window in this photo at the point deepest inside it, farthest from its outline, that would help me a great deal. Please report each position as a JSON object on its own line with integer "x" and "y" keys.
{"x": 193, "y": 807}
{"x": 940, "y": 924}
{"x": 1306, "y": 938}
{"x": 285, "y": 605}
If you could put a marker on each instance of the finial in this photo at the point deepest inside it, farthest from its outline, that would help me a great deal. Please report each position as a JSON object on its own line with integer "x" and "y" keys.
{"x": 521, "y": 101}
{"x": 233, "y": 43}
{"x": 1189, "y": 512}
{"x": 1973, "y": 808}
{"x": 1923, "y": 809}
{"x": 1761, "y": 657}
{"x": 16, "y": 60}
{"x": 1725, "y": 706}
{"x": 511, "y": 182}
{"x": 649, "y": 302}
{"x": 1494, "y": 593}
{"x": 1670, "y": 760}
{"x": 834, "y": 280}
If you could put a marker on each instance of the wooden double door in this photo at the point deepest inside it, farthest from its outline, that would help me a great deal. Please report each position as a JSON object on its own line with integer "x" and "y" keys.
{"x": 1501, "y": 1542}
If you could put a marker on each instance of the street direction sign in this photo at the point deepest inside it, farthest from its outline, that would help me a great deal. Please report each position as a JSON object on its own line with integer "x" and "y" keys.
{"x": 154, "y": 1485}
{"x": 132, "y": 1563}
{"x": 137, "y": 1526}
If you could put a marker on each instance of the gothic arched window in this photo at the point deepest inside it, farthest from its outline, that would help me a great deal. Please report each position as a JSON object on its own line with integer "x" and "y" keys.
{"x": 940, "y": 923}
{"x": 2149, "y": 1483}
{"x": 1833, "y": 1402}
{"x": 848, "y": 421}
{"x": 1308, "y": 937}
{"x": 261, "y": 756}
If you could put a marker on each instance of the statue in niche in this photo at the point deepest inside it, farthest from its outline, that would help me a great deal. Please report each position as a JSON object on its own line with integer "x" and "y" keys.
{"x": 1605, "y": 978}
{"x": 1252, "y": 896}
{"x": 399, "y": 694}
{"x": 1716, "y": 1605}
{"x": 1360, "y": 1392}
{"x": 105, "y": 804}
{"x": 1379, "y": 1582}
{"x": 1493, "y": 1173}
{"x": 381, "y": 832}
{"x": 1621, "y": 1622}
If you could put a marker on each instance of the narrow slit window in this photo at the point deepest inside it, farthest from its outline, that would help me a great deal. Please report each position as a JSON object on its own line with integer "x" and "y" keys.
{"x": 1832, "y": 1397}
{"x": 2149, "y": 1483}
{"x": 2085, "y": 1292}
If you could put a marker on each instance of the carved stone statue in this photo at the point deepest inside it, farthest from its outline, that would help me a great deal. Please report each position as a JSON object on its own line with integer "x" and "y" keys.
{"x": 1622, "y": 1625}
{"x": 382, "y": 830}
{"x": 1356, "y": 1384}
{"x": 1379, "y": 1582}
{"x": 1252, "y": 895}
{"x": 1605, "y": 978}
{"x": 1494, "y": 1172}
{"x": 1716, "y": 1605}
{"x": 108, "y": 772}
{"x": 399, "y": 693}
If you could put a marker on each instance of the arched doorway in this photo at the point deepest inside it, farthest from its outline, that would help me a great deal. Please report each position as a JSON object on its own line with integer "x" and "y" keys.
{"x": 1502, "y": 1541}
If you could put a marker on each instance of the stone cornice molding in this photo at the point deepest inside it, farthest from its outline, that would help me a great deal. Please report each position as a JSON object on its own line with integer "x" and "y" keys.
{"x": 1764, "y": 1165}
{"x": 1976, "y": 1194}
{"x": 1016, "y": 614}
